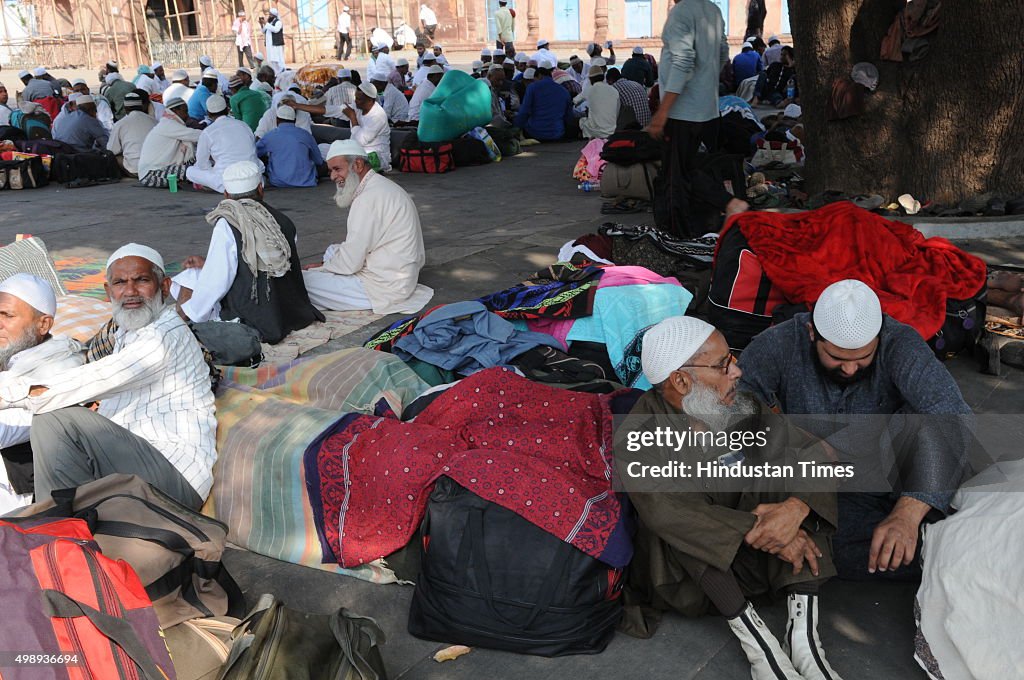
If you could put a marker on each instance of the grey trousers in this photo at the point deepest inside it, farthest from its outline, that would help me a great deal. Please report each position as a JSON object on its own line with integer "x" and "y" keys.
{"x": 74, "y": 445}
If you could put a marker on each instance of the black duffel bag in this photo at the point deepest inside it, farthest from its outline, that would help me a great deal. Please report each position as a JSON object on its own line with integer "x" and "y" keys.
{"x": 93, "y": 166}
{"x": 490, "y": 578}
{"x": 469, "y": 151}
{"x": 627, "y": 147}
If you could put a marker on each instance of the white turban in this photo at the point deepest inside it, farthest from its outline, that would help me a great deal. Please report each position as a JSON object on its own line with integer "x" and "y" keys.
{"x": 39, "y": 71}
{"x": 273, "y": 10}
{"x": 368, "y": 89}
{"x": 31, "y": 290}
{"x": 137, "y": 250}
{"x": 345, "y": 147}
{"x": 111, "y": 78}
{"x": 242, "y": 177}
{"x": 205, "y": 60}
{"x": 848, "y": 314}
{"x": 671, "y": 343}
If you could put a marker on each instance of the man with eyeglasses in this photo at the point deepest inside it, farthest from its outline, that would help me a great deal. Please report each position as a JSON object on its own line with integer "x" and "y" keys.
{"x": 721, "y": 535}
{"x": 850, "y": 359}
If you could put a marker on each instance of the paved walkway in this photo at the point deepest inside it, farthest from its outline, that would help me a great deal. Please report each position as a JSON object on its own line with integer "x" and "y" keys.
{"x": 487, "y": 228}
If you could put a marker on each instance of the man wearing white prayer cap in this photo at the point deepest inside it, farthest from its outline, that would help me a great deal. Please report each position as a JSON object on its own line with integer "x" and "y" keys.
{"x": 400, "y": 76}
{"x": 390, "y": 98}
{"x": 129, "y": 134}
{"x": 705, "y": 537}
{"x": 179, "y": 86}
{"x": 849, "y": 357}
{"x": 251, "y": 271}
{"x": 27, "y": 349}
{"x": 104, "y": 113}
{"x": 369, "y": 122}
{"x": 292, "y": 155}
{"x": 224, "y": 142}
{"x": 155, "y": 417}
{"x": 543, "y": 53}
{"x": 273, "y": 31}
{"x": 41, "y": 85}
{"x": 82, "y": 130}
{"x": 378, "y": 264}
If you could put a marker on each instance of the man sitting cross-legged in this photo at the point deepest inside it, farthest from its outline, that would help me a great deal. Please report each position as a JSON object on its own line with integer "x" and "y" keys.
{"x": 251, "y": 270}
{"x": 155, "y": 417}
{"x": 378, "y": 265}
{"x": 707, "y": 538}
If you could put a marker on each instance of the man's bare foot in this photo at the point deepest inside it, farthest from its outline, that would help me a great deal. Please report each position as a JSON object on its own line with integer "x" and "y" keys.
{"x": 735, "y": 207}
{"x": 1004, "y": 280}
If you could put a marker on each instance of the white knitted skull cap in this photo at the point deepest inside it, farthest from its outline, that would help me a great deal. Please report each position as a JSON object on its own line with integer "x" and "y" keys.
{"x": 848, "y": 314}
{"x": 671, "y": 343}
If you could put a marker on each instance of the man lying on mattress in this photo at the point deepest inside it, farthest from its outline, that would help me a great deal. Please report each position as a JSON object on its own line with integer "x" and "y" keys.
{"x": 847, "y": 361}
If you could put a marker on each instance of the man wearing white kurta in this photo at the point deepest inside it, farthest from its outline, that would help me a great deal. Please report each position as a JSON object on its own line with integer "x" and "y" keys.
{"x": 156, "y": 410}
{"x": 27, "y": 306}
{"x": 543, "y": 53}
{"x": 129, "y": 134}
{"x": 425, "y": 91}
{"x": 178, "y": 87}
{"x": 171, "y": 142}
{"x": 225, "y": 141}
{"x": 369, "y": 122}
{"x": 394, "y": 103}
{"x": 272, "y": 28}
{"x": 420, "y": 76}
{"x": 603, "y": 103}
{"x": 378, "y": 265}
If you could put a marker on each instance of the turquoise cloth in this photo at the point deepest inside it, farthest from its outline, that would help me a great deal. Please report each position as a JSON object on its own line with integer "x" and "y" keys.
{"x": 622, "y": 314}
{"x": 459, "y": 104}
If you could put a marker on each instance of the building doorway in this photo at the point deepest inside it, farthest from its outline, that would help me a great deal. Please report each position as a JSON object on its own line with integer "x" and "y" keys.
{"x": 638, "y": 18}
{"x": 567, "y": 19}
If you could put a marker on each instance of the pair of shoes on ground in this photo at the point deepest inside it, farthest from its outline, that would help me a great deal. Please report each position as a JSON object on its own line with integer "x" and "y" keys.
{"x": 799, "y": 657}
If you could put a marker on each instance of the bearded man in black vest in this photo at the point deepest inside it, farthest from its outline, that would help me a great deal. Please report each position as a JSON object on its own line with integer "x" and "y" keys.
{"x": 251, "y": 271}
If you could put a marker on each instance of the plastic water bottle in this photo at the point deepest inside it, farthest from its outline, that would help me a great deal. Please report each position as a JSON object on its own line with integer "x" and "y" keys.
{"x": 791, "y": 89}
{"x": 585, "y": 186}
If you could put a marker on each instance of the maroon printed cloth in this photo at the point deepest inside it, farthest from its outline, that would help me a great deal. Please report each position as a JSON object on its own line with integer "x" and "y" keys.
{"x": 541, "y": 452}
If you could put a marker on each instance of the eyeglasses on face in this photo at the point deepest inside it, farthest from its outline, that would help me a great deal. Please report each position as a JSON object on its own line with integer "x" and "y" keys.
{"x": 722, "y": 366}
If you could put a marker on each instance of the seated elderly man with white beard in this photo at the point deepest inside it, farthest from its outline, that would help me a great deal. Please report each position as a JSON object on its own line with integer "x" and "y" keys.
{"x": 155, "y": 417}
{"x": 27, "y": 306}
{"x": 378, "y": 265}
{"x": 719, "y": 532}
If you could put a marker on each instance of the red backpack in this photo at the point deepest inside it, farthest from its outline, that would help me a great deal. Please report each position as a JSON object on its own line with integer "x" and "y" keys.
{"x": 79, "y": 614}
{"x": 742, "y": 299}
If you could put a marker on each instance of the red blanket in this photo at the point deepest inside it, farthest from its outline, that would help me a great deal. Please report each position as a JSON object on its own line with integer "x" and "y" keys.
{"x": 542, "y": 452}
{"x": 802, "y": 253}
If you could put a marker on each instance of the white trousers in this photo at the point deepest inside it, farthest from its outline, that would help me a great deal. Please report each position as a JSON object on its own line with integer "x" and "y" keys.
{"x": 212, "y": 179}
{"x": 335, "y": 292}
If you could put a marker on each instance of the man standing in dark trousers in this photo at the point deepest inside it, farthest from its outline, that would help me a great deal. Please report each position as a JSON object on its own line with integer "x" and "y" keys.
{"x": 693, "y": 52}
{"x": 344, "y": 33}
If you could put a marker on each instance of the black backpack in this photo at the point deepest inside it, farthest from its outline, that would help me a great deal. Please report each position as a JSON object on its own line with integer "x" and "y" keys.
{"x": 964, "y": 325}
{"x": 490, "y": 578}
{"x": 93, "y": 166}
{"x": 632, "y": 146}
{"x": 469, "y": 151}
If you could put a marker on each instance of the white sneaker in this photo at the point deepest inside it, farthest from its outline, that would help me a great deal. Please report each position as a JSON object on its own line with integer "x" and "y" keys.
{"x": 767, "y": 660}
{"x": 802, "y": 643}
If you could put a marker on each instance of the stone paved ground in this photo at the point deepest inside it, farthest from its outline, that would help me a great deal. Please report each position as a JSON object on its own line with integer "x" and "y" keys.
{"x": 485, "y": 229}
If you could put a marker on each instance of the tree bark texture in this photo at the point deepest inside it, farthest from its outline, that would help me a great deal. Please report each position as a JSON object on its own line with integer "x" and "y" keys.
{"x": 942, "y": 128}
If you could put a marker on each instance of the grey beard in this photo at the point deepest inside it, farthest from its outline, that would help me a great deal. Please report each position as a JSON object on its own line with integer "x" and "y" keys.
{"x": 704, "y": 404}
{"x": 346, "y": 193}
{"x": 26, "y": 341}
{"x": 134, "y": 319}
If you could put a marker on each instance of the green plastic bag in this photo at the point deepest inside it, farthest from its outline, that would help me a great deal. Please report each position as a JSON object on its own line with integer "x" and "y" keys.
{"x": 459, "y": 104}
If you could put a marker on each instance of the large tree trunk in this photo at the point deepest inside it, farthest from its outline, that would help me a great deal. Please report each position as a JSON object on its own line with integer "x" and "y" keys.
{"x": 945, "y": 127}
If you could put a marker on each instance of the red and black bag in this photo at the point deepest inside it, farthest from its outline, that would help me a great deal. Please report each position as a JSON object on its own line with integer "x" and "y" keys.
{"x": 70, "y": 601}
{"x": 742, "y": 300}
{"x": 627, "y": 147}
{"x": 428, "y": 157}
